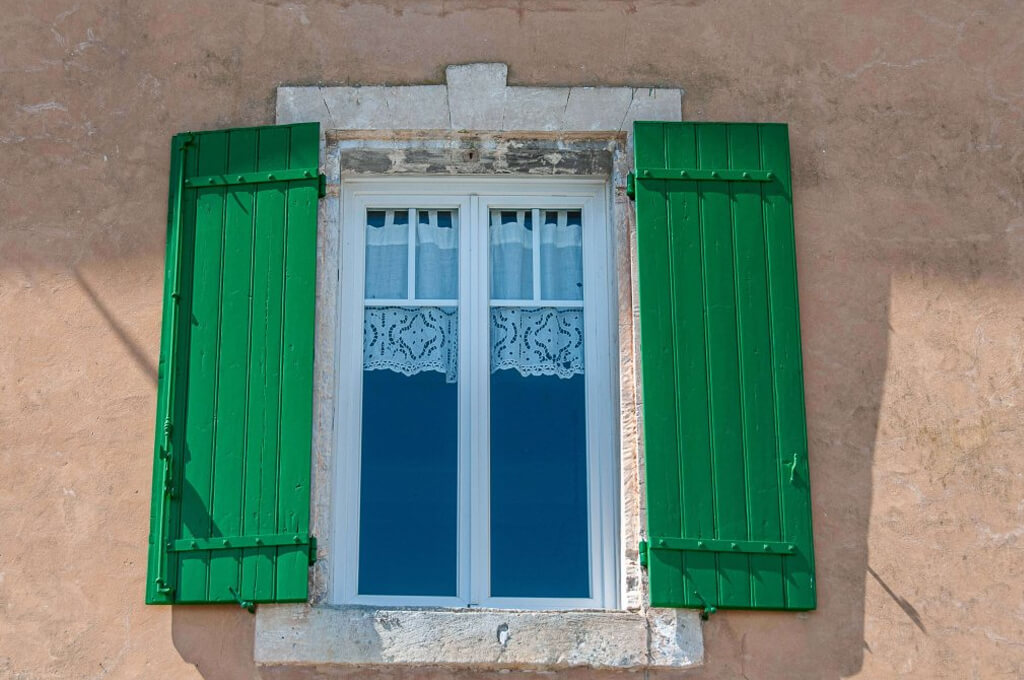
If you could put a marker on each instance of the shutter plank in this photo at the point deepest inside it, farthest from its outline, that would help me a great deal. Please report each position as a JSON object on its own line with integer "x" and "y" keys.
{"x": 297, "y": 374}
{"x": 273, "y": 154}
{"x": 727, "y": 464}
{"x": 228, "y": 479}
{"x": 201, "y": 391}
{"x": 265, "y": 368}
{"x": 756, "y": 389}
{"x": 690, "y": 341}
{"x": 788, "y": 367}
{"x": 163, "y": 520}
{"x": 181, "y": 365}
{"x": 664, "y": 510}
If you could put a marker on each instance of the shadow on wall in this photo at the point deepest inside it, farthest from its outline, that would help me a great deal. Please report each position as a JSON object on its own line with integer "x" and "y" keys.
{"x": 137, "y": 353}
{"x": 217, "y": 639}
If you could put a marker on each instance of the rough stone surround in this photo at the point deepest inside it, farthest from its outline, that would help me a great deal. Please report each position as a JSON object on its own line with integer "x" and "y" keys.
{"x": 477, "y": 125}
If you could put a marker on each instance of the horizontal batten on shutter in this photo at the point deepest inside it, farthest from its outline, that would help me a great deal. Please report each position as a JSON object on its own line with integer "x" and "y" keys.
{"x": 221, "y": 180}
{"x": 712, "y": 545}
{"x": 695, "y": 174}
{"x": 232, "y": 542}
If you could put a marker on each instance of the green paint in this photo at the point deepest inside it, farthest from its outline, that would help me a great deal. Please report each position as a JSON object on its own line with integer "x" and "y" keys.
{"x": 236, "y": 369}
{"x": 725, "y": 433}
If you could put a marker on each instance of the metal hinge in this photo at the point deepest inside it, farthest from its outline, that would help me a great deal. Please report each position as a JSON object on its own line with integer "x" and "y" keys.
{"x": 322, "y": 186}
{"x": 643, "y": 554}
{"x": 631, "y": 185}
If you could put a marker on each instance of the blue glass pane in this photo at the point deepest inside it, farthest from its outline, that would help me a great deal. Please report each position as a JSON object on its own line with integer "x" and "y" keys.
{"x": 539, "y": 545}
{"x": 408, "y": 527}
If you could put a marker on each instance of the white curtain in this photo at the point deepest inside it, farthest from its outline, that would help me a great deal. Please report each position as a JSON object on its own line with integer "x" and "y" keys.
{"x": 561, "y": 255}
{"x": 435, "y": 257}
{"x": 533, "y": 339}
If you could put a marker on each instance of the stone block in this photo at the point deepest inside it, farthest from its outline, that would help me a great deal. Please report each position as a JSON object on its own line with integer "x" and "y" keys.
{"x": 596, "y": 108}
{"x": 535, "y": 108}
{"x": 476, "y": 96}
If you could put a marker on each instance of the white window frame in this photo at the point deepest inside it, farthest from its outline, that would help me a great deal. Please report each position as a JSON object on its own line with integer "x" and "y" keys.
{"x": 474, "y": 198}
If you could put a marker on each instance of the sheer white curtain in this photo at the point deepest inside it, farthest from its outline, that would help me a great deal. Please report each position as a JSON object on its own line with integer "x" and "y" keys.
{"x": 532, "y": 337}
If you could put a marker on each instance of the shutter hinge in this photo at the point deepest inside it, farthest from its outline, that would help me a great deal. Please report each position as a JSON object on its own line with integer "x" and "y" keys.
{"x": 322, "y": 186}
{"x": 631, "y": 185}
{"x": 643, "y": 554}
{"x": 312, "y": 550}
{"x": 165, "y": 455}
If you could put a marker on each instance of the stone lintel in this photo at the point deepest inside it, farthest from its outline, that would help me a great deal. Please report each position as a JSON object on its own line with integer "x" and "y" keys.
{"x": 477, "y": 97}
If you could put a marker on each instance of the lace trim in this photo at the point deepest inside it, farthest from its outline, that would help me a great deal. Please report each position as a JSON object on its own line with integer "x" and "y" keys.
{"x": 409, "y": 340}
{"x": 540, "y": 341}
{"x": 533, "y": 341}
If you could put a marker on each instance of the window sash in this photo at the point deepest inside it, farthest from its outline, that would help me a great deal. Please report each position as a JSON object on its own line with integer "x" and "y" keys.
{"x": 473, "y": 201}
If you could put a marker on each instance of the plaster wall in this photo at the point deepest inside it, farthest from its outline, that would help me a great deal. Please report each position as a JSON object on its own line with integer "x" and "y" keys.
{"x": 907, "y": 129}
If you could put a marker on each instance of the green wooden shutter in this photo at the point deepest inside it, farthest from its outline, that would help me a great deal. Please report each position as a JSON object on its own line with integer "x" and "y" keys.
{"x": 230, "y": 503}
{"x": 728, "y": 499}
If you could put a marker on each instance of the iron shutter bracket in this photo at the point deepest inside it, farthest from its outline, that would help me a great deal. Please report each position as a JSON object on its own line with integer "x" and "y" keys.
{"x": 708, "y": 610}
{"x": 247, "y": 605}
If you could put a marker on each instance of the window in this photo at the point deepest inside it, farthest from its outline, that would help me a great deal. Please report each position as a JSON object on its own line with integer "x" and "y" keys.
{"x": 476, "y": 402}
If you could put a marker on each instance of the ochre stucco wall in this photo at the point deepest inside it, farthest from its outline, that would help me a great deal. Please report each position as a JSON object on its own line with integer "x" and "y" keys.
{"x": 907, "y": 125}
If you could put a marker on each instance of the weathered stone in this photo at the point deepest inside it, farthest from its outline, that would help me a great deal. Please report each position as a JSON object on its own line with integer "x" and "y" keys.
{"x": 596, "y": 108}
{"x": 535, "y": 108}
{"x": 366, "y": 636}
{"x": 302, "y": 105}
{"x": 417, "y": 107}
{"x": 476, "y": 96}
{"x": 651, "y": 103}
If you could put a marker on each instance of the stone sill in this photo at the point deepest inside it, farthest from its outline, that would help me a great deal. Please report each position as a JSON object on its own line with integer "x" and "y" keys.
{"x": 357, "y": 636}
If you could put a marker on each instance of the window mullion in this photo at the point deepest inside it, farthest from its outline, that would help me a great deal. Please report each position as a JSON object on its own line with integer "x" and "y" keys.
{"x": 535, "y": 218}
{"x": 474, "y": 351}
{"x": 411, "y": 231}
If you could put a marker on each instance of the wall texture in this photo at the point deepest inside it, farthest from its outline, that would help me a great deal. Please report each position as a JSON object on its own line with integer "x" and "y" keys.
{"x": 907, "y": 124}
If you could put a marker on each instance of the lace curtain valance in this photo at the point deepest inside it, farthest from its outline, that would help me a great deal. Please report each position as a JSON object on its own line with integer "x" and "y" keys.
{"x": 534, "y": 341}
{"x": 531, "y": 339}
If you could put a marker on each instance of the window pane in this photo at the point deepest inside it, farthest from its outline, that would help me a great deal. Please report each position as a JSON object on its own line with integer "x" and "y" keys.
{"x": 408, "y": 524}
{"x": 387, "y": 254}
{"x": 437, "y": 255}
{"x": 511, "y": 239}
{"x": 561, "y": 255}
{"x": 539, "y": 528}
